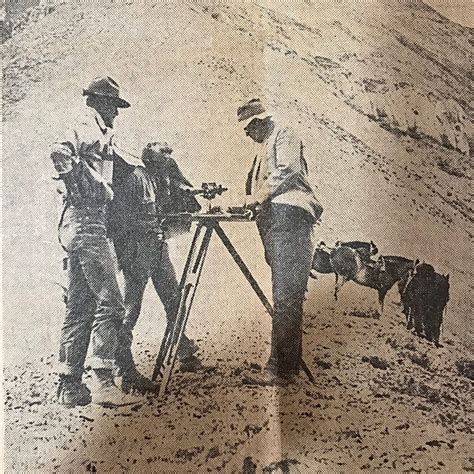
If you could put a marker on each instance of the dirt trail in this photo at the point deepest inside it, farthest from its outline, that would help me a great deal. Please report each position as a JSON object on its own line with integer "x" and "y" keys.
{"x": 185, "y": 67}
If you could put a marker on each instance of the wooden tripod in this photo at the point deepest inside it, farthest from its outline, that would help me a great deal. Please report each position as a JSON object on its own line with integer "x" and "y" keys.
{"x": 207, "y": 224}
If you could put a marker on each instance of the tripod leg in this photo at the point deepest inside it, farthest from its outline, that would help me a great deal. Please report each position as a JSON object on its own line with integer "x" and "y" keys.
{"x": 167, "y": 337}
{"x": 308, "y": 372}
{"x": 165, "y": 343}
{"x": 244, "y": 269}
{"x": 188, "y": 285}
{"x": 253, "y": 283}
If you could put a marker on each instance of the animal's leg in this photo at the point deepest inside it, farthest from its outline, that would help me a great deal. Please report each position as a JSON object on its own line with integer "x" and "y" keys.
{"x": 382, "y": 294}
{"x": 437, "y": 334}
{"x": 440, "y": 327}
{"x": 418, "y": 322}
{"x": 429, "y": 331}
{"x": 335, "y": 287}
{"x": 409, "y": 319}
{"x": 432, "y": 324}
{"x": 401, "y": 289}
{"x": 339, "y": 285}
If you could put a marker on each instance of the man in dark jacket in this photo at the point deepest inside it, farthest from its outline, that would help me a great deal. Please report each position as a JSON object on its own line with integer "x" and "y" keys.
{"x": 286, "y": 211}
{"x": 143, "y": 252}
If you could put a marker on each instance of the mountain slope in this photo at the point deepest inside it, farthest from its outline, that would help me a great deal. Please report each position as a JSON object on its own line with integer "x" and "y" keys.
{"x": 378, "y": 93}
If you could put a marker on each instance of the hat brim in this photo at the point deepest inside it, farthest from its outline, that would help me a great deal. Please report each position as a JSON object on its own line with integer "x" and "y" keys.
{"x": 122, "y": 103}
{"x": 261, "y": 116}
{"x": 118, "y": 101}
{"x": 249, "y": 111}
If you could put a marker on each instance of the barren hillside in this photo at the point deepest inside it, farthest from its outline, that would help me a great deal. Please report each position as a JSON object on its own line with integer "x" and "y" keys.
{"x": 379, "y": 93}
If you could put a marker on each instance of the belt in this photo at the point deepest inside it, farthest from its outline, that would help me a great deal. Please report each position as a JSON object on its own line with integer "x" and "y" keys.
{"x": 283, "y": 215}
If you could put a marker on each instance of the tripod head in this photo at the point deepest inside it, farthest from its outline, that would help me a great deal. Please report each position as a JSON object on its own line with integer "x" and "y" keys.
{"x": 209, "y": 191}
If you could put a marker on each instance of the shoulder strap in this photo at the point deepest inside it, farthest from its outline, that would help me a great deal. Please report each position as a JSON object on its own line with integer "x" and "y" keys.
{"x": 304, "y": 164}
{"x": 60, "y": 223}
{"x": 248, "y": 182}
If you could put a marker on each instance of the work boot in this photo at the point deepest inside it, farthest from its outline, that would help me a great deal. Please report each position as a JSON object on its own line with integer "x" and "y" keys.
{"x": 108, "y": 395}
{"x": 134, "y": 381}
{"x": 190, "y": 364}
{"x": 72, "y": 392}
{"x": 266, "y": 378}
{"x": 187, "y": 348}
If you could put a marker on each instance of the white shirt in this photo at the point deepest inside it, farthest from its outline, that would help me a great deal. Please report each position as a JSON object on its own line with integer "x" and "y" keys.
{"x": 279, "y": 173}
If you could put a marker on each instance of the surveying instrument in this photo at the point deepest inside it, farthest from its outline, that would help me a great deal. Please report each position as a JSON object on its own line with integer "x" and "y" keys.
{"x": 207, "y": 224}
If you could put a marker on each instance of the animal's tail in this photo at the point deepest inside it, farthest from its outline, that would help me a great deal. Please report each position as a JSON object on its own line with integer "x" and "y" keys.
{"x": 442, "y": 321}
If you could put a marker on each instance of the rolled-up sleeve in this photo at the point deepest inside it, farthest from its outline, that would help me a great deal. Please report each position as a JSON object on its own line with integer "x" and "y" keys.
{"x": 62, "y": 156}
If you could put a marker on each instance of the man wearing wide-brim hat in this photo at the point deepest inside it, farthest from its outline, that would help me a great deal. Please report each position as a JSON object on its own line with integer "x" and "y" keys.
{"x": 94, "y": 310}
{"x": 286, "y": 210}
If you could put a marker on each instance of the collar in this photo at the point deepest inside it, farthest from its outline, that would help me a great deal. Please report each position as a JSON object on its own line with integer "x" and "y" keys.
{"x": 94, "y": 117}
{"x": 100, "y": 122}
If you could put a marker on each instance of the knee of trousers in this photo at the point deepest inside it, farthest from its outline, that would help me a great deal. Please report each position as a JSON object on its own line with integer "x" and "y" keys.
{"x": 111, "y": 305}
{"x": 81, "y": 308}
{"x": 292, "y": 305}
{"x": 109, "y": 315}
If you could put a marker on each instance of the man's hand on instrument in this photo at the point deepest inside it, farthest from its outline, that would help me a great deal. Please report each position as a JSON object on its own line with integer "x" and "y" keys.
{"x": 253, "y": 208}
{"x": 215, "y": 210}
{"x": 236, "y": 210}
{"x": 188, "y": 189}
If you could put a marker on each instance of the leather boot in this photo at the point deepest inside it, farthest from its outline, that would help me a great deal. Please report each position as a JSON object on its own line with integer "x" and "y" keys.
{"x": 134, "y": 381}
{"x": 187, "y": 348}
{"x": 107, "y": 394}
{"x": 266, "y": 378}
{"x": 72, "y": 392}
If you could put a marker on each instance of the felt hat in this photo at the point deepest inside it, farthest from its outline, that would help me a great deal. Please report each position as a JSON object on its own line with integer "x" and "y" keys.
{"x": 106, "y": 87}
{"x": 250, "y": 109}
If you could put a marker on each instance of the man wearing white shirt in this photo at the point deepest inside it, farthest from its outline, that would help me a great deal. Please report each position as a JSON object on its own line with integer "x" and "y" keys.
{"x": 94, "y": 308}
{"x": 286, "y": 211}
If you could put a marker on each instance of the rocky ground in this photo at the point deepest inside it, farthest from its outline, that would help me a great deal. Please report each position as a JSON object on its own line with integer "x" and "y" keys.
{"x": 384, "y": 399}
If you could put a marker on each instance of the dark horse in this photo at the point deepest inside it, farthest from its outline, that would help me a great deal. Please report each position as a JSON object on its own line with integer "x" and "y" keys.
{"x": 321, "y": 262}
{"x": 424, "y": 298}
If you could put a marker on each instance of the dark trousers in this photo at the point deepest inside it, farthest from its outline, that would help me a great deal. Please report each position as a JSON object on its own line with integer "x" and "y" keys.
{"x": 287, "y": 236}
{"x": 163, "y": 277}
{"x": 94, "y": 308}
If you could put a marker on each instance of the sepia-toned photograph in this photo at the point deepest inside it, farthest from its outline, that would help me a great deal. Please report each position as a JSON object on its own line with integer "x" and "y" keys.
{"x": 237, "y": 236}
